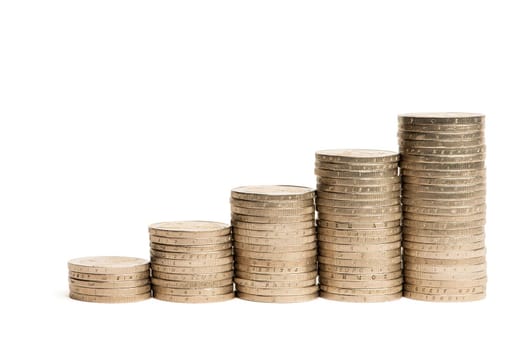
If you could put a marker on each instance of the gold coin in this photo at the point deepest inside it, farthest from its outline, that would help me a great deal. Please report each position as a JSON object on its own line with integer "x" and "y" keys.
{"x": 228, "y": 282}
{"x": 191, "y": 269}
{"x": 445, "y": 276}
{"x": 189, "y": 241}
{"x": 359, "y": 182}
{"x": 300, "y": 233}
{"x": 276, "y": 204}
{"x": 95, "y": 277}
{"x": 444, "y": 173}
{"x": 356, "y": 174}
{"x": 446, "y": 118}
{"x": 444, "y": 298}
{"x": 189, "y": 229}
{"x": 446, "y": 284}
{"x": 278, "y": 256}
{"x": 358, "y": 262}
{"x": 277, "y": 299}
{"x": 373, "y": 211}
{"x": 373, "y": 269}
{"x": 110, "y": 292}
{"x": 355, "y": 166}
{"x": 274, "y": 212}
{"x": 448, "y": 254}
{"x": 273, "y": 219}
{"x": 108, "y": 265}
{"x": 438, "y": 128}
{"x": 291, "y": 227}
{"x": 277, "y": 291}
{"x": 445, "y": 203}
{"x": 448, "y": 262}
{"x": 109, "y": 285}
{"x": 361, "y": 291}
{"x": 274, "y": 263}
{"x": 360, "y": 298}
{"x": 423, "y": 151}
{"x": 274, "y": 284}
{"x": 368, "y": 156}
{"x": 386, "y": 196}
{"x": 191, "y": 249}
{"x": 360, "y": 221}
{"x": 350, "y": 277}
{"x": 475, "y": 209}
{"x": 432, "y": 247}
{"x": 438, "y": 218}
{"x": 358, "y": 189}
{"x": 193, "y": 276}
{"x": 359, "y": 255}
{"x": 360, "y": 247}
{"x": 443, "y": 166}
{"x": 193, "y": 299}
{"x": 185, "y": 256}
{"x": 275, "y": 241}
{"x": 359, "y": 233}
{"x": 444, "y": 225}
{"x": 369, "y": 285}
{"x": 452, "y": 269}
{"x": 444, "y": 159}
{"x": 279, "y": 248}
{"x": 276, "y": 277}
{"x": 443, "y": 196}
{"x": 194, "y": 291}
{"x": 357, "y": 225}
{"x": 349, "y": 204}
{"x": 444, "y": 291}
{"x": 110, "y": 299}
{"x": 276, "y": 270}
{"x": 193, "y": 263}
{"x": 443, "y": 240}
{"x": 440, "y": 136}
{"x": 404, "y": 143}
{"x": 281, "y": 192}
{"x": 456, "y": 233}
{"x": 358, "y": 240}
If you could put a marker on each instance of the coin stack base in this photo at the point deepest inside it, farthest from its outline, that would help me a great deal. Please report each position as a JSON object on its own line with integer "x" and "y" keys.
{"x": 443, "y": 194}
{"x": 359, "y": 225}
{"x": 109, "y": 279}
{"x": 275, "y": 243}
{"x": 191, "y": 261}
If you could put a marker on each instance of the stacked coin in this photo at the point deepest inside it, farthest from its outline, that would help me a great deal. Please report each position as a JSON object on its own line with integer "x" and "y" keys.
{"x": 109, "y": 279}
{"x": 443, "y": 197}
{"x": 275, "y": 243}
{"x": 358, "y": 204}
{"x": 191, "y": 261}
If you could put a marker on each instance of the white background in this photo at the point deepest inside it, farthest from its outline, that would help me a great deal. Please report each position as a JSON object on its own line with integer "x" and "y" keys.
{"x": 118, "y": 114}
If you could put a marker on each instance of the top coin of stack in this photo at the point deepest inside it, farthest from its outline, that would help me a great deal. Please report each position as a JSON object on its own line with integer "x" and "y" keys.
{"x": 359, "y": 225}
{"x": 109, "y": 279}
{"x": 443, "y": 195}
{"x": 191, "y": 261}
{"x": 275, "y": 243}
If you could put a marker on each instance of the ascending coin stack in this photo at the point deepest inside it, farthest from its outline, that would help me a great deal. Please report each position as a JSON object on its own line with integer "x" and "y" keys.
{"x": 109, "y": 279}
{"x": 191, "y": 261}
{"x": 275, "y": 243}
{"x": 444, "y": 179}
{"x": 358, "y": 203}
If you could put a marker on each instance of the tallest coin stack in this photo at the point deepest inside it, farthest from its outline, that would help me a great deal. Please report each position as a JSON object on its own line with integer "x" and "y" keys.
{"x": 443, "y": 197}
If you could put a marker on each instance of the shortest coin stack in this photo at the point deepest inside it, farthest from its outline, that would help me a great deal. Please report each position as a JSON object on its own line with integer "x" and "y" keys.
{"x": 109, "y": 279}
{"x": 191, "y": 261}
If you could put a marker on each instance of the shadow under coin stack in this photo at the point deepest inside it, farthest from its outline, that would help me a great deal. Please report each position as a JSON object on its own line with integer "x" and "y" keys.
{"x": 109, "y": 279}
{"x": 358, "y": 204}
{"x": 191, "y": 261}
{"x": 444, "y": 179}
{"x": 275, "y": 243}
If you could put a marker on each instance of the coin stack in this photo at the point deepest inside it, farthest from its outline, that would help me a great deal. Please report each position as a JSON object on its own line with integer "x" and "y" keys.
{"x": 358, "y": 204}
{"x": 191, "y": 261}
{"x": 443, "y": 197}
{"x": 275, "y": 243}
{"x": 109, "y": 279}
